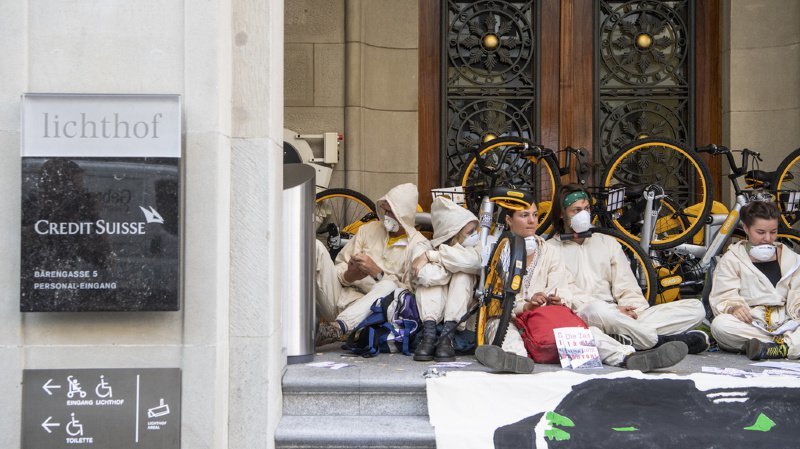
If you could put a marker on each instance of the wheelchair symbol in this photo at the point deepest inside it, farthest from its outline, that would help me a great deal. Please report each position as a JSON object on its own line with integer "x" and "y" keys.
{"x": 104, "y": 387}
{"x": 74, "y": 427}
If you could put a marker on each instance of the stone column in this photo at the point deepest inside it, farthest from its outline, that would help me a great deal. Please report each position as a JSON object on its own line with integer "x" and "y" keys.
{"x": 761, "y": 69}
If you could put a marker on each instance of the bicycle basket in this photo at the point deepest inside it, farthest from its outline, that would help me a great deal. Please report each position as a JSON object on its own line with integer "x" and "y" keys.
{"x": 456, "y": 194}
{"x": 615, "y": 199}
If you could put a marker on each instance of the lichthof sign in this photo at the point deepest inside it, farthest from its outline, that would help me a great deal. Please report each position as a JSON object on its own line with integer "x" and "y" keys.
{"x": 103, "y": 408}
{"x": 101, "y": 222}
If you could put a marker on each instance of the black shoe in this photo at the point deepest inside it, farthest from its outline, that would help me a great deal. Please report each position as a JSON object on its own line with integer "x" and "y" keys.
{"x": 444, "y": 349}
{"x": 696, "y": 340}
{"x": 506, "y": 362}
{"x": 667, "y": 354}
{"x": 758, "y": 350}
{"x": 426, "y": 348}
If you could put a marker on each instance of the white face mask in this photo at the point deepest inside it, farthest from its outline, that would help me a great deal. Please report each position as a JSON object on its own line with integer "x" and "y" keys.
{"x": 581, "y": 222}
{"x": 390, "y": 224}
{"x": 471, "y": 240}
{"x": 531, "y": 244}
{"x": 763, "y": 253}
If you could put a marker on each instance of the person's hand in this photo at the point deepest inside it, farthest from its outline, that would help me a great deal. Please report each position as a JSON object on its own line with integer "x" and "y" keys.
{"x": 418, "y": 263}
{"x": 538, "y": 299}
{"x": 554, "y": 300}
{"x": 628, "y": 310}
{"x": 366, "y": 264}
{"x": 353, "y": 273}
{"x": 742, "y": 313}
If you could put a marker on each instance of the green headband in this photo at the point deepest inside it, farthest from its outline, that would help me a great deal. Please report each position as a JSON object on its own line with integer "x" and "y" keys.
{"x": 574, "y": 196}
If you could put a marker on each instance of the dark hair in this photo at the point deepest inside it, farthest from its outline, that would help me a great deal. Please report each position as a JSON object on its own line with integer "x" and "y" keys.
{"x": 759, "y": 209}
{"x": 557, "y": 209}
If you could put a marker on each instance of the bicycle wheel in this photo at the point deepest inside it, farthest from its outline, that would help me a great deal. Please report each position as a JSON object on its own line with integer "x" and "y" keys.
{"x": 787, "y": 180}
{"x": 536, "y": 175}
{"x": 640, "y": 263}
{"x": 683, "y": 176}
{"x": 503, "y": 280}
{"x": 338, "y": 213}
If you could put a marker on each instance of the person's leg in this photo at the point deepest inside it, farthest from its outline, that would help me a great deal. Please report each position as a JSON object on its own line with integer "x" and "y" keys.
{"x": 358, "y": 310}
{"x": 615, "y": 353}
{"x": 430, "y": 302}
{"x": 328, "y": 288}
{"x": 732, "y": 334}
{"x": 459, "y": 294}
{"x": 674, "y": 317}
{"x": 606, "y": 317}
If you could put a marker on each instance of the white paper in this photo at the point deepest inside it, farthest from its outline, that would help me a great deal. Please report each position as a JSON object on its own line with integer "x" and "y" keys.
{"x": 785, "y": 327}
{"x": 793, "y": 366}
{"x": 328, "y": 365}
{"x": 577, "y": 348}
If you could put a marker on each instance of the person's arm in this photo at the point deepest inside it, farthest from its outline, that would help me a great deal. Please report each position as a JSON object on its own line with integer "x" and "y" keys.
{"x": 793, "y": 296}
{"x": 457, "y": 259}
{"x": 346, "y": 270}
{"x": 624, "y": 287}
{"x": 725, "y": 292}
{"x": 430, "y": 271}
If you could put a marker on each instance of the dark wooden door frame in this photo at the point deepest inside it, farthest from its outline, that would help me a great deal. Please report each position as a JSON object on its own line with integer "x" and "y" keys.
{"x": 566, "y": 82}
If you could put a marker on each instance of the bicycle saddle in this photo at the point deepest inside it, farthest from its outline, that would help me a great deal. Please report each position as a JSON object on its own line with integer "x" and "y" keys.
{"x": 511, "y": 198}
{"x": 759, "y": 177}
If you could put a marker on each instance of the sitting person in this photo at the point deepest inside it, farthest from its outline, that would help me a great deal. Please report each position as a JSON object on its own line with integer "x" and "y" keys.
{"x": 547, "y": 281}
{"x": 375, "y": 262}
{"x": 445, "y": 277}
{"x": 756, "y": 289}
{"x": 613, "y": 300}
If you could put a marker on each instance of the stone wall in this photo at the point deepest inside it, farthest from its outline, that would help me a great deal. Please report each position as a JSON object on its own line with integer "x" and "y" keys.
{"x": 351, "y": 67}
{"x": 761, "y": 78}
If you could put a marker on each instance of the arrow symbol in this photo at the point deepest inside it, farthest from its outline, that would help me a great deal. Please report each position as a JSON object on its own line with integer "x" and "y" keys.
{"x": 47, "y": 387}
{"x": 46, "y": 425}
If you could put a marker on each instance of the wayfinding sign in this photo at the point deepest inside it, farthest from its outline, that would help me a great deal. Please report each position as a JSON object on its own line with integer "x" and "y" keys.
{"x": 101, "y": 226}
{"x": 101, "y": 408}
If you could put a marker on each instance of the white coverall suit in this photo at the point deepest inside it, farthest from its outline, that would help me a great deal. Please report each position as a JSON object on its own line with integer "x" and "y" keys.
{"x": 446, "y": 284}
{"x": 604, "y": 279}
{"x": 546, "y": 273}
{"x": 349, "y": 303}
{"x": 737, "y": 282}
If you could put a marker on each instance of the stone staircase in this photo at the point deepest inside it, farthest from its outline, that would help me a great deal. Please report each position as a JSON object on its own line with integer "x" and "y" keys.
{"x": 373, "y": 403}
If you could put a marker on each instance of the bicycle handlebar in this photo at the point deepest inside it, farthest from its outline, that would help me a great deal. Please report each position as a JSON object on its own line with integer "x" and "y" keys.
{"x": 576, "y": 235}
{"x": 715, "y": 150}
{"x": 524, "y": 149}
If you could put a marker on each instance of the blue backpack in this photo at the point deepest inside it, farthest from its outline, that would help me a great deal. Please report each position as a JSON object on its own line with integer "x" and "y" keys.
{"x": 390, "y": 327}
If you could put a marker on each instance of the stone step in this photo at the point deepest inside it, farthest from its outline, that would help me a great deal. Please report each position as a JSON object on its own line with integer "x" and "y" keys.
{"x": 390, "y": 384}
{"x": 354, "y": 432}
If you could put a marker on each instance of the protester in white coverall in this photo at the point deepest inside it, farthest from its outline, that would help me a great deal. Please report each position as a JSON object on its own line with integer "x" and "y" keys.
{"x": 548, "y": 282}
{"x": 756, "y": 290}
{"x": 375, "y": 262}
{"x": 445, "y": 277}
{"x": 611, "y": 298}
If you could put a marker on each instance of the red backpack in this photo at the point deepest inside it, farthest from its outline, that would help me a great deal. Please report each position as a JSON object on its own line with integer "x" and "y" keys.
{"x": 536, "y": 327}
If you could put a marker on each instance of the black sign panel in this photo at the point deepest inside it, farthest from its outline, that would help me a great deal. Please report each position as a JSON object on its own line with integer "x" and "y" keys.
{"x": 101, "y": 205}
{"x": 104, "y": 408}
{"x": 100, "y": 234}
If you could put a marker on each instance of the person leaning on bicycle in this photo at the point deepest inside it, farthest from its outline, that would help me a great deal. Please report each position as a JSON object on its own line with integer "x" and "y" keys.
{"x": 445, "y": 277}
{"x": 756, "y": 290}
{"x": 375, "y": 262}
{"x": 613, "y": 300}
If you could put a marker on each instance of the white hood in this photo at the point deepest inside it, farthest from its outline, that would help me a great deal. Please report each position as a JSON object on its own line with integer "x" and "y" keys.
{"x": 448, "y": 218}
{"x": 403, "y": 201}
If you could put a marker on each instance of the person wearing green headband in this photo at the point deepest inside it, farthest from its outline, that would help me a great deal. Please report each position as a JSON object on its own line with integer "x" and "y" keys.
{"x": 547, "y": 282}
{"x": 610, "y": 297}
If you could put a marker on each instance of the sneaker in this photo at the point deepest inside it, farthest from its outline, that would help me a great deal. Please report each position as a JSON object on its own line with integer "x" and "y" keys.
{"x": 505, "y": 362}
{"x": 624, "y": 339}
{"x": 327, "y": 333}
{"x": 697, "y": 342}
{"x": 758, "y": 350}
{"x": 663, "y": 356}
